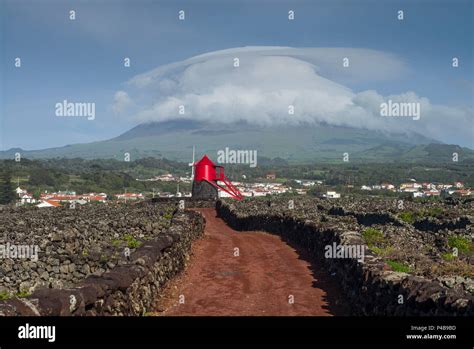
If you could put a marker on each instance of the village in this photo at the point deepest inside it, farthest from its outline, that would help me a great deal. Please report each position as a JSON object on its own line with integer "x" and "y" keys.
{"x": 59, "y": 198}
{"x": 424, "y": 189}
{"x": 267, "y": 186}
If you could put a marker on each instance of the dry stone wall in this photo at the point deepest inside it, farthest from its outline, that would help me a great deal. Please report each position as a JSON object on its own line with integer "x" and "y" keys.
{"x": 371, "y": 288}
{"x": 163, "y": 241}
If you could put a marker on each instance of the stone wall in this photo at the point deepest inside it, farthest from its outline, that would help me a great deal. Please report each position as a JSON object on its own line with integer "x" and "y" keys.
{"x": 127, "y": 289}
{"x": 370, "y": 287}
{"x": 433, "y": 224}
{"x": 189, "y": 202}
{"x": 72, "y": 244}
{"x": 365, "y": 218}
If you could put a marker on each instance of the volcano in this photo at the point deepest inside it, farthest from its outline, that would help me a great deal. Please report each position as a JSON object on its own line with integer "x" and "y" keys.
{"x": 296, "y": 144}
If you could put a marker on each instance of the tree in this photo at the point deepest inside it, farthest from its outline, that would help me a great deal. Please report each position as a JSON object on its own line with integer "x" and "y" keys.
{"x": 37, "y": 193}
{"x": 7, "y": 192}
{"x": 42, "y": 176}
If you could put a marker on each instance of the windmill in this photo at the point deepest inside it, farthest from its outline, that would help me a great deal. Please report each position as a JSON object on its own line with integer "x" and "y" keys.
{"x": 192, "y": 164}
{"x": 207, "y": 178}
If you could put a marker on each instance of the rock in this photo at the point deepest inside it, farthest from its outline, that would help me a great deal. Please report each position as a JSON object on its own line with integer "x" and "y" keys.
{"x": 448, "y": 281}
{"x": 72, "y": 268}
{"x": 54, "y": 261}
{"x": 110, "y": 265}
{"x": 461, "y": 303}
{"x": 55, "y": 237}
{"x": 469, "y": 285}
{"x": 25, "y": 286}
{"x": 140, "y": 261}
{"x": 6, "y": 267}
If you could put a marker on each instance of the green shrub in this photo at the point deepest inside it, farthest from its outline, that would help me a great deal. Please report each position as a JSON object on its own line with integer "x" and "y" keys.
{"x": 382, "y": 251}
{"x": 116, "y": 243}
{"x": 131, "y": 241}
{"x": 459, "y": 242}
{"x": 4, "y": 296}
{"x": 407, "y": 216}
{"x": 397, "y": 266}
{"x": 23, "y": 294}
{"x": 411, "y": 217}
{"x": 432, "y": 211}
{"x": 372, "y": 237}
{"x": 168, "y": 215}
{"x": 447, "y": 256}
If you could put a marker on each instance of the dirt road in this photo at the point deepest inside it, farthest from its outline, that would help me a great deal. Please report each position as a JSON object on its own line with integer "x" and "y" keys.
{"x": 265, "y": 276}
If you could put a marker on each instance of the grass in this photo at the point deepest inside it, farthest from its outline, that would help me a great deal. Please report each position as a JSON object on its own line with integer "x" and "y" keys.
{"x": 131, "y": 241}
{"x": 168, "y": 215}
{"x": 456, "y": 267}
{"x": 373, "y": 237}
{"x": 448, "y": 256}
{"x": 431, "y": 211}
{"x": 4, "y": 296}
{"x": 407, "y": 217}
{"x": 382, "y": 251}
{"x": 461, "y": 243}
{"x": 116, "y": 243}
{"x": 397, "y": 266}
{"x": 410, "y": 217}
{"x": 23, "y": 294}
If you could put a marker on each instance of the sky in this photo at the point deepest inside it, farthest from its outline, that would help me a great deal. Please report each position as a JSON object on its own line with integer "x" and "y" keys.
{"x": 191, "y": 63}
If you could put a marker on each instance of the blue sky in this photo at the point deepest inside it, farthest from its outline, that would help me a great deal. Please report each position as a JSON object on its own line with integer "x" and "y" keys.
{"x": 81, "y": 60}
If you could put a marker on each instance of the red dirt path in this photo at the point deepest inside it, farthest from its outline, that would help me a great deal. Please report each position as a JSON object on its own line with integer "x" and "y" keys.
{"x": 258, "y": 282}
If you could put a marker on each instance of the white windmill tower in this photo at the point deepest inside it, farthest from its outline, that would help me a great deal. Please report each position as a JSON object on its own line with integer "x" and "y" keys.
{"x": 192, "y": 164}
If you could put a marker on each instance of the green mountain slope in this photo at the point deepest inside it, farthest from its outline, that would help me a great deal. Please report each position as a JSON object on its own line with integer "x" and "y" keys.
{"x": 174, "y": 140}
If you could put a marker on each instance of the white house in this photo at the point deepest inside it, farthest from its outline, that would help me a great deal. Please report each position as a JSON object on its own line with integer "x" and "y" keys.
{"x": 48, "y": 203}
{"x": 333, "y": 195}
{"x": 387, "y": 186}
{"x": 20, "y": 191}
{"x": 129, "y": 196}
{"x": 27, "y": 199}
{"x": 80, "y": 201}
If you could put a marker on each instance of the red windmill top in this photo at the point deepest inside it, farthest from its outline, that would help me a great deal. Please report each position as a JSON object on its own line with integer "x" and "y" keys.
{"x": 206, "y": 170}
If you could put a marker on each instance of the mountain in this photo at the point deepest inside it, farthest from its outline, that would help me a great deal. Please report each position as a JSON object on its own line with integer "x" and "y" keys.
{"x": 296, "y": 144}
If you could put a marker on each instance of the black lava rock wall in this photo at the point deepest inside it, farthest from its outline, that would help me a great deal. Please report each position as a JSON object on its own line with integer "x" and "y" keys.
{"x": 370, "y": 288}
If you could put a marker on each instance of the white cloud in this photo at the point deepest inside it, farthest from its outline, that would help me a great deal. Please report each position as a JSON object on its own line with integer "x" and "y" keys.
{"x": 121, "y": 102}
{"x": 365, "y": 64}
{"x": 269, "y": 79}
